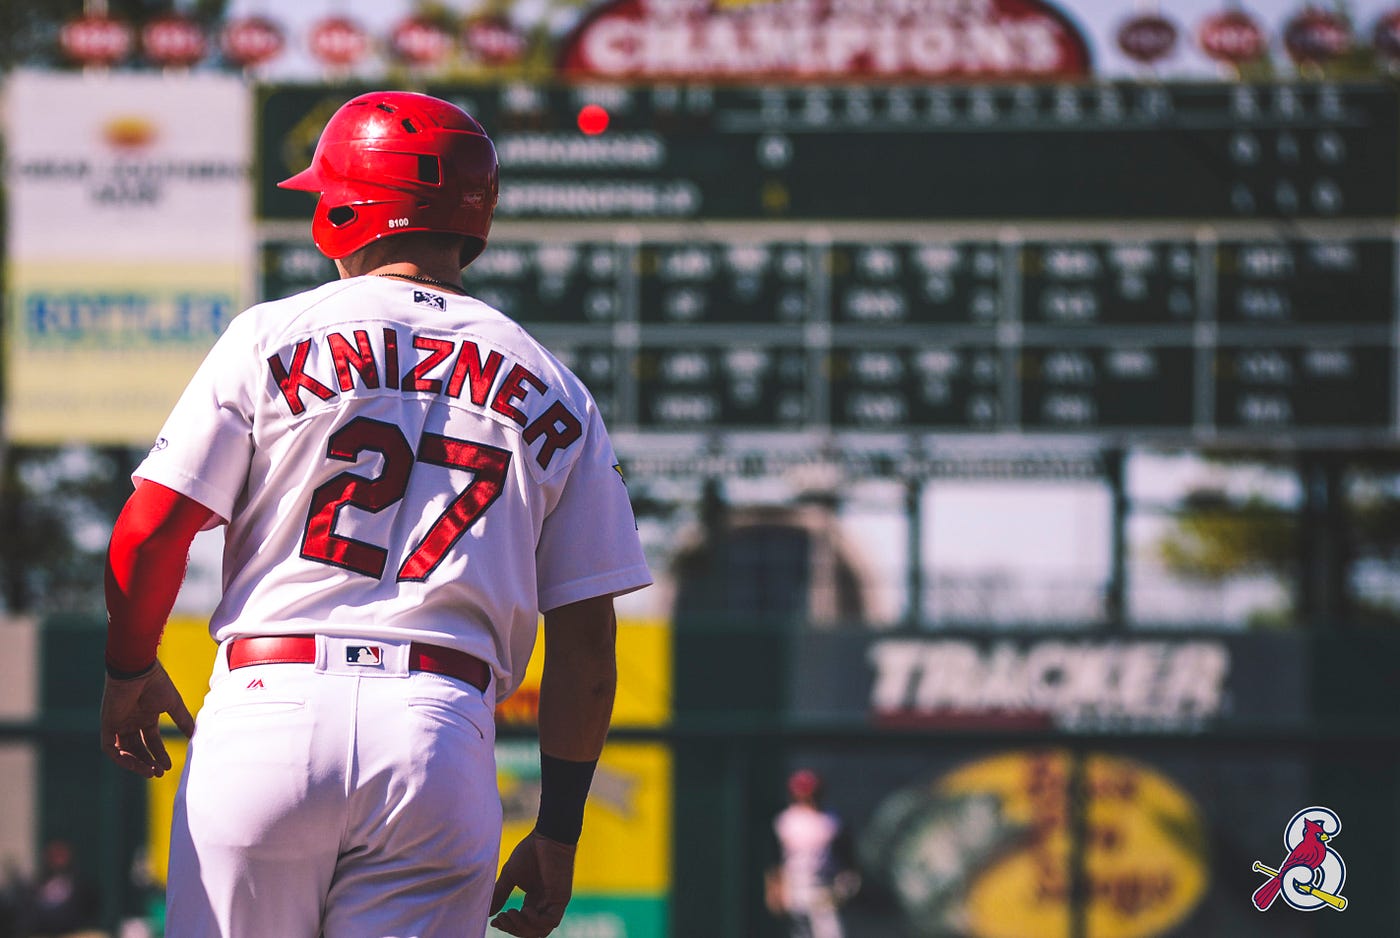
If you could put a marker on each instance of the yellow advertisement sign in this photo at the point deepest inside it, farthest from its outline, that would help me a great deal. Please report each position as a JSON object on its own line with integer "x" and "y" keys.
{"x": 100, "y": 352}
{"x": 643, "y": 679}
{"x": 187, "y": 654}
{"x": 626, "y": 846}
{"x": 984, "y": 851}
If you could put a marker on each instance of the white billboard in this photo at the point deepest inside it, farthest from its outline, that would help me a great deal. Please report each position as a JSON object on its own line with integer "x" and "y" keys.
{"x": 130, "y": 245}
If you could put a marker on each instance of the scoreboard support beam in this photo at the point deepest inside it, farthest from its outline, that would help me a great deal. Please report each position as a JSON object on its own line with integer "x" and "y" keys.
{"x": 1323, "y": 551}
{"x": 914, "y": 573}
{"x": 1116, "y": 590}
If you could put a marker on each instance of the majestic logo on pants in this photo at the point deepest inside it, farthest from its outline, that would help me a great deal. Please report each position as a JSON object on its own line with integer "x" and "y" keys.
{"x": 368, "y": 656}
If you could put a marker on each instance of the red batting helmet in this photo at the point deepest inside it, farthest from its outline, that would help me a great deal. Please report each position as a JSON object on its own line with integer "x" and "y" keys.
{"x": 395, "y": 161}
{"x": 804, "y": 783}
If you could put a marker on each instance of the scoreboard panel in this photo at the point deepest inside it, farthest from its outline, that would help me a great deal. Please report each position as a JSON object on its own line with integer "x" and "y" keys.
{"x": 1189, "y": 263}
{"x": 684, "y": 387}
{"x": 1314, "y": 386}
{"x": 909, "y": 283}
{"x": 942, "y": 385}
{"x": 723, "y": 283}
{"x": 1069, "y": 387}
{"x": 1349, "y": 283}
{"x": 1088, "y": 283}
{"x": 1167, "y": 337}
{"x": 1140, "y": 151}
{"x": 559, "y": 282}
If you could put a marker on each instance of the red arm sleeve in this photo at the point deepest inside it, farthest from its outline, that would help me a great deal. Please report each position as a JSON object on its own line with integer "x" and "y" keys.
{"x": 146, "y": 562}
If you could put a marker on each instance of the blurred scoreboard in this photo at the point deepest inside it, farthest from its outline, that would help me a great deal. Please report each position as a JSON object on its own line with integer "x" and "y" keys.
{"x": 1189, "y": 262}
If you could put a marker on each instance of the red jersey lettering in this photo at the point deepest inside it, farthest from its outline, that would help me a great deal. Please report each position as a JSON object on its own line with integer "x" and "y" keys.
{"x": 292, "y": 380}
{"x": 560, "y": 429}
{"x": 439, "y": 349}
{"x": 391, "y": 359}
{"x": 469, "y": 366}
{"x": 511, "y": 390}
{"x": 360, "y": 359}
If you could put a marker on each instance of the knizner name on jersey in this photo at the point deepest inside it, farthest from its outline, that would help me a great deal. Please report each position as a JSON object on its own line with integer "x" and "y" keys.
{"x": 338, "y": 359}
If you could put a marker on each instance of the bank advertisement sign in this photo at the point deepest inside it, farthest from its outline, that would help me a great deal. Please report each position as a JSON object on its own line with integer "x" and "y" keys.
{"x": 130, "y": 246}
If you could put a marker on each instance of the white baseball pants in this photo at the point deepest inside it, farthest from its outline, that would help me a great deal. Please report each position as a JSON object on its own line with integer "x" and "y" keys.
{"x": 336, "y": 800}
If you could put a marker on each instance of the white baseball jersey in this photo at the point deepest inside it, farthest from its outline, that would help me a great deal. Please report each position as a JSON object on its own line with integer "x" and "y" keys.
{"x": 806, "y": 836}
{"x": 401, "y": 463}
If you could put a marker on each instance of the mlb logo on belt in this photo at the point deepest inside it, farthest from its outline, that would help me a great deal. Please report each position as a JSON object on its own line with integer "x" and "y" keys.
{"x": 368, "y": 656}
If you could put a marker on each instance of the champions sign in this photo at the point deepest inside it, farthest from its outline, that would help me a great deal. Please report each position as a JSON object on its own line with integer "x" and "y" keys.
{"x": 826, "y": 40}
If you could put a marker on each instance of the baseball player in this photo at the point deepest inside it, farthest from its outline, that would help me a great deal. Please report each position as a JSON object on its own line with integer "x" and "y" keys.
{"x": 816, "y": 873}
{"x": 408, "y": 481}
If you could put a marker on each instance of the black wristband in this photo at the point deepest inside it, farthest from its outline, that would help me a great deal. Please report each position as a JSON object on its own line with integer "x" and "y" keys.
{"x": 117, "y": 674}
{"x": 563, "y": 791}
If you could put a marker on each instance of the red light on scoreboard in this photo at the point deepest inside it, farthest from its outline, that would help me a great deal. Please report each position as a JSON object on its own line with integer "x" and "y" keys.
{"x": 592, "y": 119}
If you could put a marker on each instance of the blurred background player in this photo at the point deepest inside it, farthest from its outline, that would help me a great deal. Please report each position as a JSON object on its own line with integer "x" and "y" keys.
{"x": 60, "y": 903}
{"x": 408, "y": 481}
{"x": 816, "y": 873}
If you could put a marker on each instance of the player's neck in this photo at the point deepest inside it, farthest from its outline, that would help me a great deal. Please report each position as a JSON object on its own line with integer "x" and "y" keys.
{"x": 419, "y": 274}
{"x": 387, "y": 258}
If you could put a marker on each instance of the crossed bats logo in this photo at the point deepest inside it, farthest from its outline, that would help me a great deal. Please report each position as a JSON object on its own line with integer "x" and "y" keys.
{"x": 1312, "y": 873}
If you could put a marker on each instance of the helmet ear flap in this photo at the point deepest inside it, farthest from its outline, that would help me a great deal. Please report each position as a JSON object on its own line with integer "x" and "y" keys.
{"x": 341, "y": 215}
{"x": 429, "y": 169}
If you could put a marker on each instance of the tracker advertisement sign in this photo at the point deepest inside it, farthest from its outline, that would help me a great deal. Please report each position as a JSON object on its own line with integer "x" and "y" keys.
{"x": 1007, "y": 774}
{"x": 1065, "y": 682}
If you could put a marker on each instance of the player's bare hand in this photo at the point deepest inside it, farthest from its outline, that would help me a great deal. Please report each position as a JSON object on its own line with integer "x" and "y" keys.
{"x": 544, "y": 871}
{"x": 131, "y": 711}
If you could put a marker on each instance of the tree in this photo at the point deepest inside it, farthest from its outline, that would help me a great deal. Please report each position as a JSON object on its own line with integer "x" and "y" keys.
{"x": 1216, "y": 538}
{"x": 57, "y": 508}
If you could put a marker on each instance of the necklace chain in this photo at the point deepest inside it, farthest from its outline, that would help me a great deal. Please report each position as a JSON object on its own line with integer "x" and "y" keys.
{"x": 431, "y": 281}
